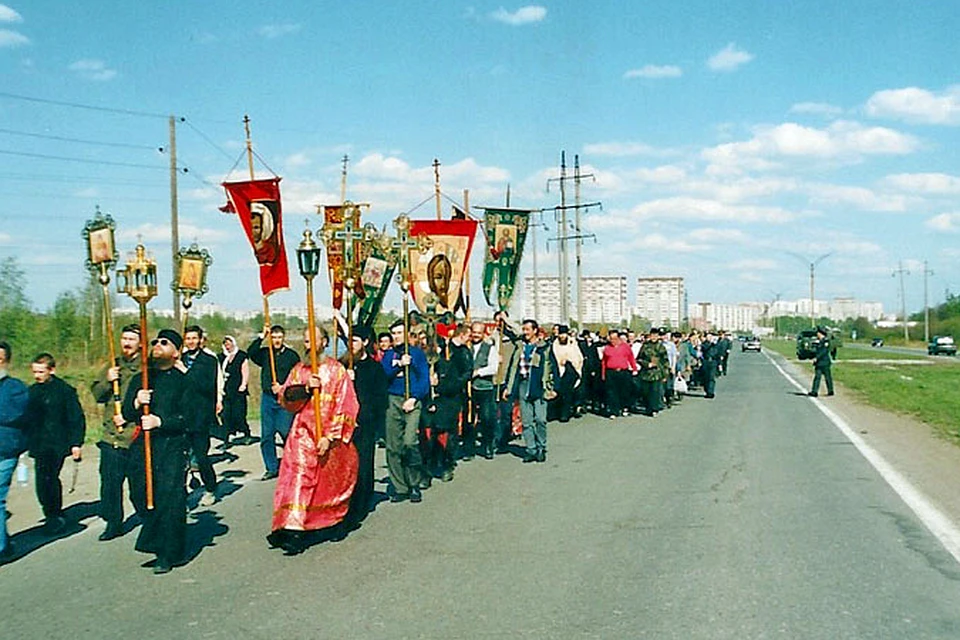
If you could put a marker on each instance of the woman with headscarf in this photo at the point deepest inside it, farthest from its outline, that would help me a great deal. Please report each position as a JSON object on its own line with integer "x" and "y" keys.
{"x": 236, "y": 376}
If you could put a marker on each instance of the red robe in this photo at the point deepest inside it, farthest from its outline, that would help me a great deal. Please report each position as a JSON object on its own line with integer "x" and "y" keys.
{"x": 313, "y": 492}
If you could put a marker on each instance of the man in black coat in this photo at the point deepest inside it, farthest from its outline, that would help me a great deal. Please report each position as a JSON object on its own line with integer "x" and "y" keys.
{"x": 201, "y": 369}
{"x": 56, "y": 429}
{"x": 451, "y": 374}
{"x": 164, "y": 530}
{"x": 821, "y": 363}
{"x": 711, "y": 353}
{"x": 370, "y": 383}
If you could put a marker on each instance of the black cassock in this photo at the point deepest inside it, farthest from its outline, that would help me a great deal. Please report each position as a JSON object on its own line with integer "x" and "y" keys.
{"x": 370, "y": 383}
{"x": 164, "y": 529}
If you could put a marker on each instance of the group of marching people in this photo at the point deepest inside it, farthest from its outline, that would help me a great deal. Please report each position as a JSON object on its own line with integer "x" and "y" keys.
{"x": 433, "y": 397}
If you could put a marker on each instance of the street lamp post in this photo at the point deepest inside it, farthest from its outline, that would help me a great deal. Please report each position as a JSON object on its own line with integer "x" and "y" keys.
{"x": 308, "y": 261}
{"x": 813, "y": 265}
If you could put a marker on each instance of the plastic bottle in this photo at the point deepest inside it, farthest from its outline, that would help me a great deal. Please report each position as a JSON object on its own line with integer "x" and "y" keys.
{"x": 23, "y": 472}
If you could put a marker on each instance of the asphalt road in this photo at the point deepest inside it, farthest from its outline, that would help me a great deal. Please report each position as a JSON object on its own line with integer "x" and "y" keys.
{"x": 748, "y": 516}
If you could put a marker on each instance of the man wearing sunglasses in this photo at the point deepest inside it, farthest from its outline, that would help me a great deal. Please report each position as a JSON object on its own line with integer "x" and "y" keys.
{"x": 164, "y": 529}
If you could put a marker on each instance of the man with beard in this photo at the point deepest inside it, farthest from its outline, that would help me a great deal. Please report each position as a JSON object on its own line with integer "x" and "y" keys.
{"x": 451, "y": 374}
{"x": 531, "y": 381}
{"x": 117, "y": 436}
{"x": 201, "y": 369}
{"x": 318, "y": 471}
{"x": 569, "y": 361}
{"x": 370, "y": 383}
{"x": 654, "y": 366}
{"x": 164, "y": 530}
{"x": 483, "y": 409}
{"x": 56, "y": 429}
{"x": 274, "y": 419}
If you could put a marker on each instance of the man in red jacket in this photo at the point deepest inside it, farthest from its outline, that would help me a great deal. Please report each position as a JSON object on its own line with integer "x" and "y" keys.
{"x": 619, "y": 365}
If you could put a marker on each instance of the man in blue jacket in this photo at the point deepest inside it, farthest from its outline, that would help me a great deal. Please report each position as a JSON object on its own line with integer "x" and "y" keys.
{"x": 403, "y": 413}
{"x": 14, "y": 397}
{"x": 530, "y": 380}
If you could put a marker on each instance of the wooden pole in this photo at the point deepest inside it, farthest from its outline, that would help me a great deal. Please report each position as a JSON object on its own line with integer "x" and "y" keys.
{"x": 466, "y": 269}
{"x": 147, "y": 451}
{"x": 111, "y": 350}
{"x": 436, "y": 185}
{"x": 312, "y": 332}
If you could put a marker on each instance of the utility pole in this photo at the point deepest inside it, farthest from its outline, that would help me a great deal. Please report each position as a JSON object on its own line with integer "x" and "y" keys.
{"x": 903, "y": 300}
{"x": 174, "y": 214}
{"x": 926, "y": 302}
{"x": 563, "y": 234}
{"x": 813, "y": 266}
{"x": 578, "y": 235}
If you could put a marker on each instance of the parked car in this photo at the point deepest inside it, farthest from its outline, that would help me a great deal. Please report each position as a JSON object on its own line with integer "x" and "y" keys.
{"x": 876, "y": 342}
{"x": 750, "y": 344}
{"x": 941, "y": 345}
{"x": 807, "y": 343}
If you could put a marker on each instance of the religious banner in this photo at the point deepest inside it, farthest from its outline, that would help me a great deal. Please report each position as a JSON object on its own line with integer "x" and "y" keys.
{"x": 257, "y": 204}
{"x": 506, "y": 231}
{"x": 376, "y": 272}
{"x": 437, "y": 270}
{"x": 333, "y": 219}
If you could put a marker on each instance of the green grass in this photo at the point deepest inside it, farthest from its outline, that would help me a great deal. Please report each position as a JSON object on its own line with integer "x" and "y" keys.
{"x": 927, "y": 392}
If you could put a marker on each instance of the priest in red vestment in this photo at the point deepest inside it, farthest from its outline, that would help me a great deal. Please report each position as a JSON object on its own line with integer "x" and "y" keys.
{"x": 317, "y": 475}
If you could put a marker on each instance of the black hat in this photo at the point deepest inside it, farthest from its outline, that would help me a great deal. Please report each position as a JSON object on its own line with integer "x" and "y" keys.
{"x": 655, "y": 330}
{"x": 822, "y": 329}
{"x": 562, "y": 328}
{"x": 362, "y": 332}
{"x": 172, "y": 336}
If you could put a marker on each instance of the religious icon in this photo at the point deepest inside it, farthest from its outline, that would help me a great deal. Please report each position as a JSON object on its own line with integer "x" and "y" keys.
{"x": 439, "y": 272}
{"x": 191, "y": 274}
{"x": 506, "y": 241}
{"x": 101, "y": 246}
{"x": 263, "y": 225}
{"x": 373, "y": 272}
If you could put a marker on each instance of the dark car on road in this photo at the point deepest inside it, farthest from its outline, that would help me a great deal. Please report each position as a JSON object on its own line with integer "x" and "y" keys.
{"x": 876, "y": 342}
{"x": 942, "y": 345}
{"x": 750, "y": 344}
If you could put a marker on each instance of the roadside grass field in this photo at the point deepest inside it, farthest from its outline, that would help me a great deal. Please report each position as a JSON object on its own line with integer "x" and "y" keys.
{"x": 917, "y": 386}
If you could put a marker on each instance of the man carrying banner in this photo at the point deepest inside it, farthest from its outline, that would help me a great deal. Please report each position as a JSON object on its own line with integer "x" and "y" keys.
{"x": 274, "y": 419}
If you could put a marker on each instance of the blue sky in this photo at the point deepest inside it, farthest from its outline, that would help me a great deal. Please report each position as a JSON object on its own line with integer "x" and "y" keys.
{"x": 724, "y": 137}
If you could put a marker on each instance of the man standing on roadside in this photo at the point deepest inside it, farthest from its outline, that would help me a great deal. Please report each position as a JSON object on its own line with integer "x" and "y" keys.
{"x": 117, "y": 434}
{"x": 14, "y": 398}
{"x": 56, "y": 430}
{"x": 274, "y": 419}
{"x": 821, "y": 363}
{"x": 483, "y": 411}
{"x": 531, "y": 381}
{"x": 201, "y": 369}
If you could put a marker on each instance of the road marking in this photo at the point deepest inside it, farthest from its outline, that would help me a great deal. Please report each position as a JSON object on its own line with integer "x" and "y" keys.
{"x": 932, "y": 518}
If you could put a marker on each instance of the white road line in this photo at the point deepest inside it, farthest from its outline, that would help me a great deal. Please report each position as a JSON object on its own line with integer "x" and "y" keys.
{"x": 932, "y": 518}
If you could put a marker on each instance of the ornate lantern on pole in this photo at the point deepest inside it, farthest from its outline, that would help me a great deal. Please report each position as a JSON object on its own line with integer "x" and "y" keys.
{"x": 190, "y": 276}
{"x": 308, "y": 261}
{"x": 102, "y": 256}
{"x": 139, "y": 281}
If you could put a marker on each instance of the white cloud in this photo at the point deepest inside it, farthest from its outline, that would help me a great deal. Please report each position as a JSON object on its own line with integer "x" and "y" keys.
{"x": 8, "y": 14}
{"x": 742, "y": 188}
{"x": 859, "y": 197}
{"x": 687, "y": 208}
{"x": 296, "y": 160}
{"x": 947, "y": 222}
{"x": 754, "y": 264}
{"x": 817, "y": 108}
{"x": 917, "y": 105}
{"x": 524, "y": 15}
{"x": 5, "y": 238}
{"x": 665, "y": 174}
{"x": 718, "y": 236}
{"x": 843, "y": 140}
{"x": 654, "y": 71}
{"x": 925, "y": 183}
{"x": 92, "y": 69}
{"x": 729, "y": 58}
{"x": 10, "y": 39}
{"x": 278, "y": 30}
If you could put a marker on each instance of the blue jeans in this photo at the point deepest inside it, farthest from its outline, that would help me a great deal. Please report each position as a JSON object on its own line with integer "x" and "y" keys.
{"x": 7, "y": 467}
{"x": 533, "y": 414}
{"x": 274, "y": 420}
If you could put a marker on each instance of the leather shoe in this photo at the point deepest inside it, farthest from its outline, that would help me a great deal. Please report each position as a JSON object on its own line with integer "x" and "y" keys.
{"x": 530, "y": 457}
{"x": 415, "y": 495}
{"x": 399, "y": 497}
{"x": 161, "y": 566}
{"x": 447, "y": 476}
{"x": 109, "y": 534}
{"x": 269, "y": 475}
{"x": 812, "y": 394}
{"x": 542, "y": 456}
{"x": 426, "y": 483}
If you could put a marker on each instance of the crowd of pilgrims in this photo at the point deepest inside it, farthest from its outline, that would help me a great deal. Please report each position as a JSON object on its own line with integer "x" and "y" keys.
{"x": 433, "y": 399}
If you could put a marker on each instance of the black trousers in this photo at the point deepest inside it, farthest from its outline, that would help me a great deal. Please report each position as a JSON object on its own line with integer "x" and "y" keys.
{"x": 364, "y": 439}
{"x": 47, "y": 468}
{"x": 826, "y": 374}
{"x": 198, "y": 443}
{"x": 115, "y": 468}
{"x": 620, "y": 388}
{"x": 652, "y": 394}
{"x": 484, "y": 409}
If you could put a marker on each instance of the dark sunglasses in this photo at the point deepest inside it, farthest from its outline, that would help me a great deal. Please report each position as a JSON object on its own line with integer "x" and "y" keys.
{"x": 162, "y": 341}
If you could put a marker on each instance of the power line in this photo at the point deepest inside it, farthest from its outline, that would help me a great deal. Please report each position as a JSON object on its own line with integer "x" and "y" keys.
{"x": 206, "y": 138}
{"x": 89, "y": 107}
{"x": 125, "y": 145}
{"x": 44, "y": 156}
{"x": 82, "y": 180}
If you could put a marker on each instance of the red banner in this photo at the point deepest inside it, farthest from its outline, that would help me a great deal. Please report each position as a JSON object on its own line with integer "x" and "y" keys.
{"x": 439, "y": 268}
{"x": 257, "y": 204}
